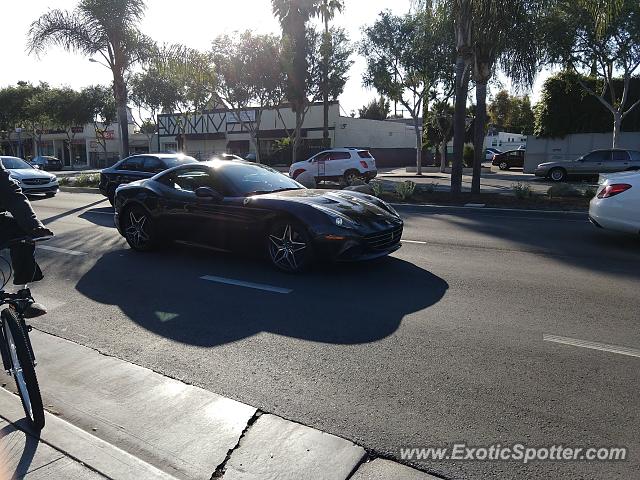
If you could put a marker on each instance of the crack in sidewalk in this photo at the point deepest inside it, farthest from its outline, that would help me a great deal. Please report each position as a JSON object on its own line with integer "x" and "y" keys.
{"x": 220, "y": 469}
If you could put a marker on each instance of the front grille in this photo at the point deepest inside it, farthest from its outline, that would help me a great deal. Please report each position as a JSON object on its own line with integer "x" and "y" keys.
{"x": 384, "y": 240}
{"x": 35, "y": 181}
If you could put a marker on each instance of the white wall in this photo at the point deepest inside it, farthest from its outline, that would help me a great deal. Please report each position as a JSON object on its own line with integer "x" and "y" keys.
{"x": 540, "y": 150}
{"x": 359, "y": 132}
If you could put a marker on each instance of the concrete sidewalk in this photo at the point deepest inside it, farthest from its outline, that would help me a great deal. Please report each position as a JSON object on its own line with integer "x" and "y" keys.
{"x": 122, "y": 421}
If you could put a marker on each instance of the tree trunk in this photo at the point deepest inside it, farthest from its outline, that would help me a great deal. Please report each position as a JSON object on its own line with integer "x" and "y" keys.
{"x": 459, "y": 124}
{"x": 479, "y": 134}
{"x": 617, "y": 125}
{"x": 326, "y": 142}
{"x": 120, "y": 91}
{"x": 416, "y": 126}
{"x": 296, "y": 137}
{"x": 443, "y": 156}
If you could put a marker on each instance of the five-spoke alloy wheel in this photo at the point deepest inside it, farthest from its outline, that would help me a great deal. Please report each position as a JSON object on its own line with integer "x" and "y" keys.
{"x": 138, "y": 229}
{"x": 289, "y": 247}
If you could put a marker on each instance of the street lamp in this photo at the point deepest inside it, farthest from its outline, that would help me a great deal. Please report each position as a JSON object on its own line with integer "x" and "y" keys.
{"x": 93, "y": 60}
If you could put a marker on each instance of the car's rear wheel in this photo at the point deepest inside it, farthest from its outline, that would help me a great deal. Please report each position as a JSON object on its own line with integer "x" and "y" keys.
{"x": 351, "y": 176}
{"x": 558, "y": 174}
{"x": 289, "y": 247}
{"x": 503, "y": 166}
{"x": 138, "y": 229}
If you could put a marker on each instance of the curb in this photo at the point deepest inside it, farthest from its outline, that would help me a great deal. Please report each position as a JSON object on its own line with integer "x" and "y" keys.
{"x": 79, "y": 189}
{"x": 81, "y": 446}
{"x": 483, "y": 207}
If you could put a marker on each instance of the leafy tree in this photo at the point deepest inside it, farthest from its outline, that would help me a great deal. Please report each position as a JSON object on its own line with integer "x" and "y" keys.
{"x": 406, "y": 60}
{"x": 376, "y": 109}
{"x": 151, "y": 94}
{"x": 565, "y": 107}
{"x": 192, "y": 74}
{"x": 512, "y": 113}
{"x": 439, "y": 129}
{"x": 250, "y": 77}
{"x": 69, "y": 109}
{"x": 102, "y": 105}
{"x": 14, "y": 112}
{"x": 603, "y": 43}
{"x": 38, "y": 113}
{"x": 104, "y": 28}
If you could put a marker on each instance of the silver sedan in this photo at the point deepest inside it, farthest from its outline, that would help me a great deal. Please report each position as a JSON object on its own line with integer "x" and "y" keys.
{"x": 594, "y": 163}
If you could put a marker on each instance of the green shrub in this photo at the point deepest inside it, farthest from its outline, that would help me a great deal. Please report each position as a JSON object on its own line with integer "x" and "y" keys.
{"x": 522, "y": 190}
{"x": 405, "y": 190}
{"x": 563, "y": 190}
{"x": 82, "y": 180}
{"x": 467, "y": 156}
{"x": 377, "y": 188}
{"x": 589, "y": 192}
{"x": 428, "y": 188}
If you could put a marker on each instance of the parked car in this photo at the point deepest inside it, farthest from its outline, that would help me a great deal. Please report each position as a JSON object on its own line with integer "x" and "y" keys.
{"x": 615, "y": 207}
{"x": 250, "y": 157}
{"x": 249, "y": 207}
{"x": 47, "y": 163}
{"x": 490, "y": 153}
{"x": 225, "y": 156}
{"x": 507, "y": 160}
{"x": 138, "y": 167}
{"x": 592, "y": 164}
{"x": 30, "y": 179}
{"x": 338, "y": 164}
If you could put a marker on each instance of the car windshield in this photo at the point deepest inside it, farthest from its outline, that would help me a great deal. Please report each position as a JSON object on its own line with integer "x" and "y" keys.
{"x": 257, "y": 179}
{"x": 178, "y": 160}
{"x": 15, "y": 164}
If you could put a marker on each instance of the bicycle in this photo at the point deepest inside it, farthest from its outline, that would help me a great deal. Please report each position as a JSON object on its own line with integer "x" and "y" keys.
{"x": 17, "y": 353}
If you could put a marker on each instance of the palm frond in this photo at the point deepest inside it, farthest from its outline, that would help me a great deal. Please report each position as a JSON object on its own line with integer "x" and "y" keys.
{"x": 65, "y": 29}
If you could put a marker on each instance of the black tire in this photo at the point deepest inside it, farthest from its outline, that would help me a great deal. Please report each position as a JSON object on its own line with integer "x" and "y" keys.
{"x": 289, "y": 246}
{"x": 138, "y": 228}
{"x": 558, "y": 174}
{"x": 350, "y": 176}
{"x": 23, "y": 369}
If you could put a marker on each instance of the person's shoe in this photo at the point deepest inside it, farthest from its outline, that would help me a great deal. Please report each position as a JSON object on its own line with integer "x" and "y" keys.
{"x": 35, "y": 310}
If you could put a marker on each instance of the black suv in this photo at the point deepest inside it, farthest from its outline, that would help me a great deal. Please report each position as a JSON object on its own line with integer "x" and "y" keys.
{"x": 138, "y": 167}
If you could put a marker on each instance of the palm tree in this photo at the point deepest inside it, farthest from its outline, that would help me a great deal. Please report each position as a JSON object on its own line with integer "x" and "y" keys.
{"x": 293, "y": 16}
{"x": 104, "y": 28}
{"x": 498, "y": 41}
{"x": 327, "y": 9}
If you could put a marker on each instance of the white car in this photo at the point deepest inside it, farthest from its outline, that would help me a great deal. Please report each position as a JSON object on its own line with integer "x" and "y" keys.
{"x": 30, "y": 179}
{"x": 617, "y": 203}
{"x": 338, "y": 164}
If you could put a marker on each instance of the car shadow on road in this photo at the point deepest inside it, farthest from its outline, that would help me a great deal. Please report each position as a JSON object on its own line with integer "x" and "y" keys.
{"x": 339, "y": 304}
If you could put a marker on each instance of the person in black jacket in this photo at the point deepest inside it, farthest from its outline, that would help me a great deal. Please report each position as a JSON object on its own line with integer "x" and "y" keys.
{"x": 22, "y": 223}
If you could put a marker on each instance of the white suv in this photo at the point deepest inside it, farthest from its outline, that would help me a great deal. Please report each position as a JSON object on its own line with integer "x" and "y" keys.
{"x": 338, "y": 164}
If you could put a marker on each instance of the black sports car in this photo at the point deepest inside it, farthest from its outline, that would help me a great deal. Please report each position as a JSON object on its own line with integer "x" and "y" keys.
{"x": 138, "y": 167}
{"x": 241, "y": 205}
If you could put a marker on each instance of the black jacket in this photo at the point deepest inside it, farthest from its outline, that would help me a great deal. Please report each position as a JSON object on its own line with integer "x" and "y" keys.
{"x": 13, "y": 201}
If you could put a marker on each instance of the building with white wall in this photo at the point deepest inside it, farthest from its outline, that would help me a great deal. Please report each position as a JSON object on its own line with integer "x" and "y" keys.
{"x": 219, "y": 131}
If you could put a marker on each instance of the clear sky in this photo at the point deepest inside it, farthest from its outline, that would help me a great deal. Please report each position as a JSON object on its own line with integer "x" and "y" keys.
{"x": 191, "y": 22}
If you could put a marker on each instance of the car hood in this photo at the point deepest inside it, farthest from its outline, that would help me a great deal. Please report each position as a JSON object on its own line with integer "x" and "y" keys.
{"x": 30, "y": 173}
{"x": 361, "y": 208}
{"x": 555, "y": 164}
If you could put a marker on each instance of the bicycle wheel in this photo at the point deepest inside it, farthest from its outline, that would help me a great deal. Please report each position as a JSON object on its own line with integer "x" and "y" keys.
{"x": 23, "y": 369}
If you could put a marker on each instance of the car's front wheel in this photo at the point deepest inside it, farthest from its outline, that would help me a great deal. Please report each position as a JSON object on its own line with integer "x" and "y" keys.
{"x": 503, "y": 166}
{"x": 558, "y": 174}
{"x": 289, "y": 247}
{"x": 138, "y": 229}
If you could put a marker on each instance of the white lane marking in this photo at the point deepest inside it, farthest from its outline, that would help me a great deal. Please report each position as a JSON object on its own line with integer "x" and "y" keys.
{"x": 631, "y": 352}
{"x": 61, "y": 250}
{"x": 414, "y": 241}
{"x": 476, "y": 205}
{"x": 241, "y": 283}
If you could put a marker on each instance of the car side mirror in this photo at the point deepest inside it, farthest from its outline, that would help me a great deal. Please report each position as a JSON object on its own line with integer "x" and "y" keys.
{"x": 208, "y": 193}
{"x": 37, "y": 167}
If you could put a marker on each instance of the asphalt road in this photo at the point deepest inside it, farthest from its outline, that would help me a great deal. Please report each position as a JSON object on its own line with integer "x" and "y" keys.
{"x": 441, "y": 343}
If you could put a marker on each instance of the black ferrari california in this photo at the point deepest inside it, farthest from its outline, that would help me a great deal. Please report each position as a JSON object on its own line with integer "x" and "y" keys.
{"x": 241, "y": 205}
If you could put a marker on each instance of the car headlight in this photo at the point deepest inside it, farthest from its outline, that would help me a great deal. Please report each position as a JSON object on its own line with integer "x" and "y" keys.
{"x": 338, "y": 218}
{"x": 390, "y": 208}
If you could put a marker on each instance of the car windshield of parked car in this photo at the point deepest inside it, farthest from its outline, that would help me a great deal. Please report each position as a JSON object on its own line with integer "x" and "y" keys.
{"x": 257, "y": 179}
{"x": 171, "y": 162}
{"x": 15, "y": 164}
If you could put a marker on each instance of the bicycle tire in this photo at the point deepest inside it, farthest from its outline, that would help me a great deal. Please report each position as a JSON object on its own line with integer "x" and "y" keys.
{"x": 24, "y": 373}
